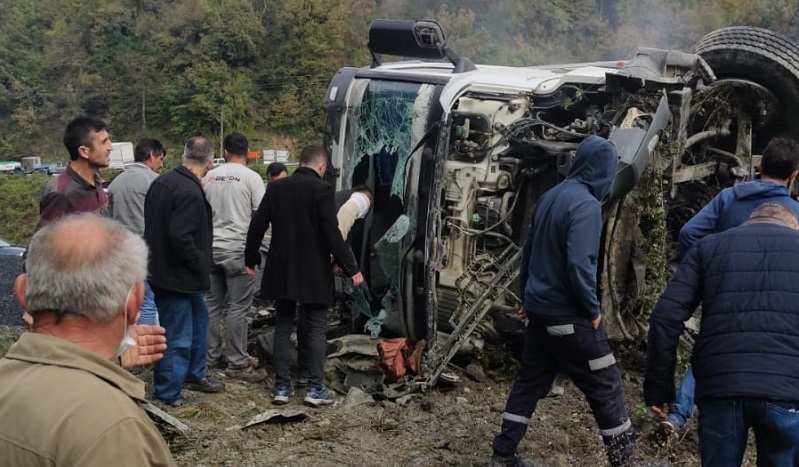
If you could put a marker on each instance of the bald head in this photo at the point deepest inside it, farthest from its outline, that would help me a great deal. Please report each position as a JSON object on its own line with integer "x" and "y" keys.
{"x": 84, "y": 264}
{"x": 198, "y": 151}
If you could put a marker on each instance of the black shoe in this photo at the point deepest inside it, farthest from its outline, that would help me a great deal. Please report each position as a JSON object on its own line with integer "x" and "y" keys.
{"x": 207, "y": 385}
{"x": 509, "y": 461}
{"x": 183, "y": 402}
{"x": 219, "y": 364}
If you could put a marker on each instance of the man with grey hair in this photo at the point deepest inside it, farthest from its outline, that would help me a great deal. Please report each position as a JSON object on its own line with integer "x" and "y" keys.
{"x": 80, "y": 407}
{"x": 126, "y": 202}
{"x": 746, "y": 353}
{"x": 179, "y": 232}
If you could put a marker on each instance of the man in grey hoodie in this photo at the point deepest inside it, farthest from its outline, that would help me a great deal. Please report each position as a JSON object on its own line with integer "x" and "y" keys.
{"x": 126, "y": 203}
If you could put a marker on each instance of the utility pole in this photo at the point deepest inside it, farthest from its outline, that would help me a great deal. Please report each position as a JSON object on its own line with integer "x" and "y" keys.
{"x": 221, "y": 130}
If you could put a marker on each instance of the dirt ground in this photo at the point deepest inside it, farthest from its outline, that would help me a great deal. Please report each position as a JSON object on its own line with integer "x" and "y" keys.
{"x": 448, "y": 426}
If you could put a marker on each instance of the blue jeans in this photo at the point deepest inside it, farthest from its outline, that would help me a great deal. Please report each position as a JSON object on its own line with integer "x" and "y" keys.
{"x": 683, "y": 400}
{"x": 148, "y": 311}
{"x": 724, "y": 427}
{"x": 185, "y": 318}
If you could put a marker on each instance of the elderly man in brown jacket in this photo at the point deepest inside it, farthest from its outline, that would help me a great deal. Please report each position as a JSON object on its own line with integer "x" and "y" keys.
{"x": 65, "y": 400}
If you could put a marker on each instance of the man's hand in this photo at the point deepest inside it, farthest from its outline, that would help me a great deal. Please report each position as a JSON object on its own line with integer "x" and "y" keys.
{"x": 522, "y": 315}
{"x": 150, "y": 346}
{"x": 250, "y": 271}
{"x": 336, "y": 269}
{"x": 357, "y": 280}
{"x": 595, "y": 322}
{"x": 661, "y": 412}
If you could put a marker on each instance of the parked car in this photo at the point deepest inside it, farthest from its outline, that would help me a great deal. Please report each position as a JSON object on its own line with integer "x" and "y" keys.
{"x": 457, "y": 154}
{"x": 8, "y": 249}
{"x": 10, "y": 268}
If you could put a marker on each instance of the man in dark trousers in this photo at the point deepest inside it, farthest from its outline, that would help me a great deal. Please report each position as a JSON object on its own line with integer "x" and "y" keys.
{"x": 302, "y": 213}
{"x": 564, "y": 329}
{"x": 728, "y": 209}
{"x": 178, "y": 229}
{"x": 746, "y": 357}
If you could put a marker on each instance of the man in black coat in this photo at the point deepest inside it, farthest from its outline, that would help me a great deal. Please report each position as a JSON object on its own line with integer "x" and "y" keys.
{"x": 178, "y": 230}
{"x": 746, "y": 357}
{"x": 302, "y": 212}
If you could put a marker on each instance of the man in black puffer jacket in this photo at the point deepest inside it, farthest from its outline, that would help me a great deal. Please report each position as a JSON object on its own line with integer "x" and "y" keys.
{"x": 746, "y": 357}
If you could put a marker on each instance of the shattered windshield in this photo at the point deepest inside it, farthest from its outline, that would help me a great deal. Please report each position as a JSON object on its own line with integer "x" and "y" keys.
{"x": 385, "y": 123}
{"x": 388, "y": 123}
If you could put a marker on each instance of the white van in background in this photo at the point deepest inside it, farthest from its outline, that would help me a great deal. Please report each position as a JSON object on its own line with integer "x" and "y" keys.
{"x": 121, "y": 155}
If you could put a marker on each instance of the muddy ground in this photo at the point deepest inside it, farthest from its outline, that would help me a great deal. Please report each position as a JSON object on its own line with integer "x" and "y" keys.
{"x": 448, "y": 426}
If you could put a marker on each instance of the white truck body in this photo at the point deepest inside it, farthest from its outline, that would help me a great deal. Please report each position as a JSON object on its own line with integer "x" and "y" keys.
{"x": 121, "y": 155}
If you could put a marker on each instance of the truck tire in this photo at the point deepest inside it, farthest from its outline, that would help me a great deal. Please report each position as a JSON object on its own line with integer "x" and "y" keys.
{"x": 763, "y": 57}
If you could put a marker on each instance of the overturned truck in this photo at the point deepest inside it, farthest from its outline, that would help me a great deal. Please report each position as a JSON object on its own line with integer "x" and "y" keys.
{"x": 456, "y": 154}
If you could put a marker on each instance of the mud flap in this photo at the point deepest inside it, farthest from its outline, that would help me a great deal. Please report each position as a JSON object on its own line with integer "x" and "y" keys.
{"x": 635, "y": 142}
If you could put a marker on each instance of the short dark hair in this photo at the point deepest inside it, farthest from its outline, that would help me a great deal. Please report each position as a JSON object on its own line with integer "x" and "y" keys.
{"x": 312, "y": 154}
{"x": 236, "y": 143}
{"x": 77, "y": 134}
{"x": 145, "y": 146}
{"x": 780, "y": 158}
{"x": 276, "y": 168}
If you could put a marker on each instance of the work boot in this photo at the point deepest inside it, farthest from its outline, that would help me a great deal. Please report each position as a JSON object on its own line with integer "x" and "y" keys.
{"x": 206, "y": 385}
{"x": 248, "y": 372}
{"x": 182, "y": 402}
{"x": 665, "y": 433}
{"x": 620, "y": 448}
{"x": 509, "y": 461}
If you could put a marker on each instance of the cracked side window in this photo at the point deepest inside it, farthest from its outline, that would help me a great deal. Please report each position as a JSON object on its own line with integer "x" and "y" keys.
{"x": 386, "y": 120}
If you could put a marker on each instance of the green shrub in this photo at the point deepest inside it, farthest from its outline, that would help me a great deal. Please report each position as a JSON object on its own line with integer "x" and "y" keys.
{"x": 19, "y": 206}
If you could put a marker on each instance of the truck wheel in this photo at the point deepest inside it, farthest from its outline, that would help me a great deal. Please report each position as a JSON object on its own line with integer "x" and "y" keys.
{"x": 763, "y": 57}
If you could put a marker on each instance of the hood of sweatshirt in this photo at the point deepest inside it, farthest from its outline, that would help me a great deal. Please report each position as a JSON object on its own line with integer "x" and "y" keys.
{"x": 595, "y": 165}
{"x": 758, "y": 189}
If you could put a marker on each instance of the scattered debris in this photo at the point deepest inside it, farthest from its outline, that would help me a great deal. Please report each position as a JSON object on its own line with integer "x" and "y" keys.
{"x": 274, "y": 416}
{"x": 164, "y": 417}
{"x": 361, "y": 344}
{"x": 356, "y": 397}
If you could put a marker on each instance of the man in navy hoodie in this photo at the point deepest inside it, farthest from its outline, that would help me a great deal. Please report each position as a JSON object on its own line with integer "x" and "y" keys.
{"x": 730, "y": 208}
{"x": 564, "y": 330}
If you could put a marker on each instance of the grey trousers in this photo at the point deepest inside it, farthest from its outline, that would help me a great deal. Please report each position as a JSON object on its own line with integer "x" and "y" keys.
{"x": 232, "y": 293}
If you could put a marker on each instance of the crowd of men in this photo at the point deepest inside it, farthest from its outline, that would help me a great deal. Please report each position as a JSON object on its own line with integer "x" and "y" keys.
{"x": 172, "y": 256}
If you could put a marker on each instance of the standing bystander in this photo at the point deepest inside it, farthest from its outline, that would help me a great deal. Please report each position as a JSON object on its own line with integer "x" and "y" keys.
{"x": 126, "y": 203}
{"x": 302, "y": 212}
{"x": 178, "y": 228}
{"x": 234, "y": 193}
{"x": 79, "y": 188}
{"x": 728, "y": 209}
{"x": 64, "y": 399}
{"x": 564, "y": 332}
{"x": 746, "y": 357}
